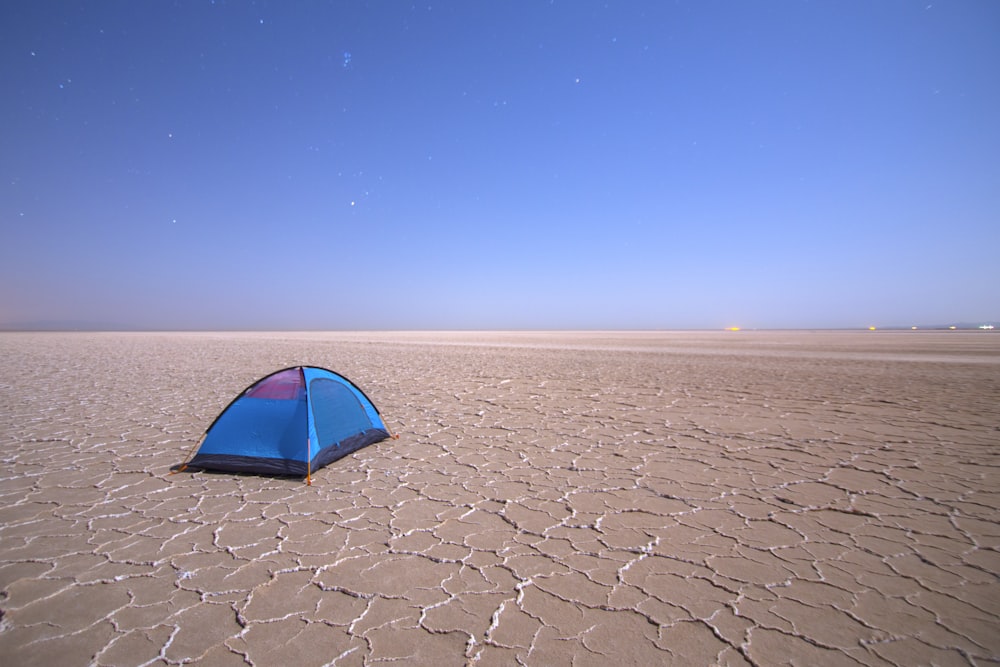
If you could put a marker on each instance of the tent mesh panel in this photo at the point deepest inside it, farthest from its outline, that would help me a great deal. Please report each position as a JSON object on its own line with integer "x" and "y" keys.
{"x": 337, "y": 412}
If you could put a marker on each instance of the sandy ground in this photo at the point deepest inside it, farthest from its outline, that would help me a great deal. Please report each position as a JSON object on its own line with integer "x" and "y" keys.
{"x": 599, "y": 498}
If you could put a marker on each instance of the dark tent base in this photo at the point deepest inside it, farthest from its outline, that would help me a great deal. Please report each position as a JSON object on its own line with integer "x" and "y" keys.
{"x": 268, "y": 466}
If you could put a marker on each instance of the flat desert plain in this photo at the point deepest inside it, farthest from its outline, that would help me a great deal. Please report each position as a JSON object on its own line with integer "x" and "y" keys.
{"x": 732, "y": 498}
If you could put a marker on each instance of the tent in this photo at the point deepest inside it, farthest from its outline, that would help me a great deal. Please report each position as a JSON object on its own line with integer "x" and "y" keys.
{"x": 291, "y": 422}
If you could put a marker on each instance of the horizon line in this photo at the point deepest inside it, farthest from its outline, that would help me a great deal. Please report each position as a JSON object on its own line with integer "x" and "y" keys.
{"x": 985, "y": 326}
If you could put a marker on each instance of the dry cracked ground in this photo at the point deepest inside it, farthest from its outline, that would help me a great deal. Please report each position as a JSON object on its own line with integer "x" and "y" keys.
{"x": 554, "y": 499}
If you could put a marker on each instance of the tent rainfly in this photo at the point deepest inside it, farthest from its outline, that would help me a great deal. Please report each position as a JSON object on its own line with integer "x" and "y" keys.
{"x": 291, "y": 422}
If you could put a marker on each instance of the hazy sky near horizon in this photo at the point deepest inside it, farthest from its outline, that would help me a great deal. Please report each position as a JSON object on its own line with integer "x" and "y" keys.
{"x": 464, "y": 164}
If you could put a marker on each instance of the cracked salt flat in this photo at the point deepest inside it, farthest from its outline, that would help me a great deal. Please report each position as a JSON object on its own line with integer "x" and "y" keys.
{"x": 553, "y": 499}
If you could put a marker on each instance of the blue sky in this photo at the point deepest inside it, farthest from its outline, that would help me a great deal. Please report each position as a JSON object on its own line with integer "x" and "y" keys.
{"x": 349, "y": 165}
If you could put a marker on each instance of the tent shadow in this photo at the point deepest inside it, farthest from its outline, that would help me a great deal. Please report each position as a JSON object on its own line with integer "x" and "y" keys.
{"x": 210, "y": 473}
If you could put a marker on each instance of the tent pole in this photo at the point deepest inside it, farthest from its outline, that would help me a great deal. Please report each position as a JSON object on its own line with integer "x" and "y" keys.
{"x": 308, "y": 462}
{"x": 305, "y": 397}
{"x": 190, "y": 454}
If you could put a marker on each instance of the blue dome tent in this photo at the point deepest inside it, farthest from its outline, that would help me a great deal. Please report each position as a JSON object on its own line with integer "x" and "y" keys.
{"x": 291, "y": 422}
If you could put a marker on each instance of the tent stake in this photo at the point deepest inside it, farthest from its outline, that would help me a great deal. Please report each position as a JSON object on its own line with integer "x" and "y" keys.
{"x": 190, "y": 453}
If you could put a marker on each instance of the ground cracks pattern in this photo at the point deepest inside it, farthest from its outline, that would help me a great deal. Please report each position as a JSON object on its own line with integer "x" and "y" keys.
{"x": 544, "y": 505}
